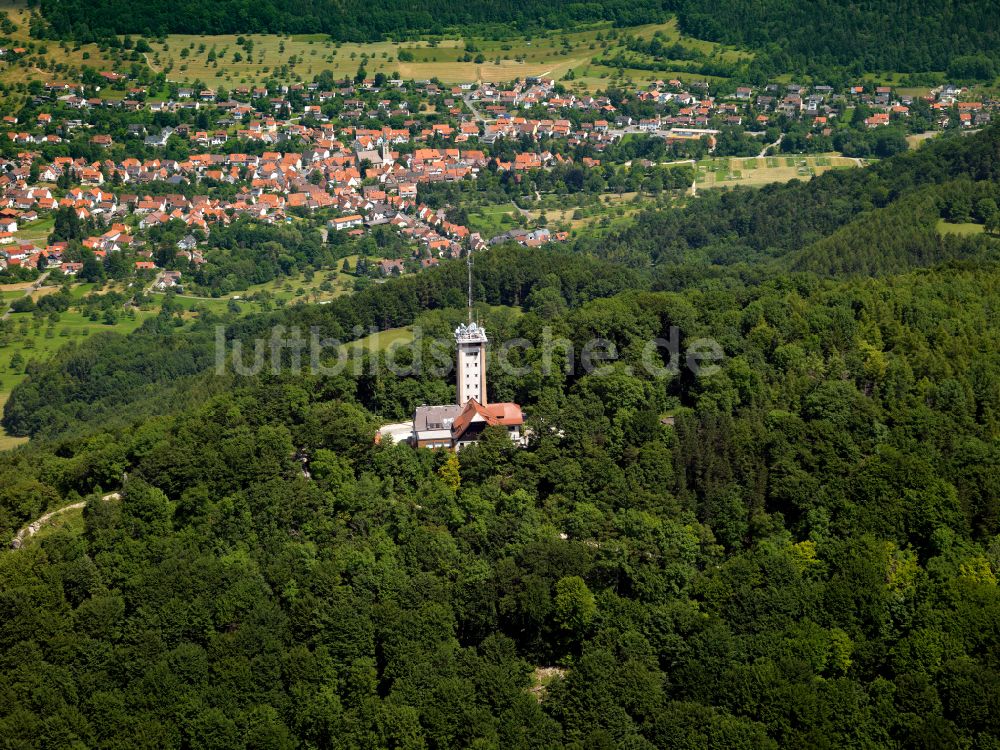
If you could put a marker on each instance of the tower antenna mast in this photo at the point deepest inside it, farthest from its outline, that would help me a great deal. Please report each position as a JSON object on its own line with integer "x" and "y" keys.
{"x": 468, "y": 261}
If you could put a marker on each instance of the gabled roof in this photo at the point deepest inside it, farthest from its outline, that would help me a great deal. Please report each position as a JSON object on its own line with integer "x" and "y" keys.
{"x": 507, "y": 414}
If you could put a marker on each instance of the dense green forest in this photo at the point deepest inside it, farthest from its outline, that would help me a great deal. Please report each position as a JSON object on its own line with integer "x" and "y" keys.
{"x": 342, "y": 19}
{"x": 805, "y": 555}
{"x": 873, "y": 221}
{"x": 914, "y": 35}
{"x": 961, "y": 38}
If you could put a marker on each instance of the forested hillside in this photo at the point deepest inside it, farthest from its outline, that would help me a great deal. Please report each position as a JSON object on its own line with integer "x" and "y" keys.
{"x": 342, "y": 19}
{"x": 915, "y": 35}
{"x": 962, "y": 38}
{"x": 798, "y": 550}
{"x": 876, "y": 220}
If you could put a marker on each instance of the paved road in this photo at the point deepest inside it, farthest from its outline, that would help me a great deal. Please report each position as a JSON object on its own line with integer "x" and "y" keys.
{"x": 29, "y": 291}
{"x": 480, "y": 117}
{"x": 32, "y": 528}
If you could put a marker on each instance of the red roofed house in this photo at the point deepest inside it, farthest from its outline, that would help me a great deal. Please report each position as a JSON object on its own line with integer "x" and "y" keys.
{"x": 346, "y": 222}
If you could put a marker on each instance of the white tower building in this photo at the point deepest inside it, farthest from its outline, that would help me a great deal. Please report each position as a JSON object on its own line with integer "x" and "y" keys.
{"x": 471, "y": 343}
{"x": 455, "y": 426}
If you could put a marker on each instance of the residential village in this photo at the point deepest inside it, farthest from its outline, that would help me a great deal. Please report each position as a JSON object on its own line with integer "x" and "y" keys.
{"x": 359, "y": 155}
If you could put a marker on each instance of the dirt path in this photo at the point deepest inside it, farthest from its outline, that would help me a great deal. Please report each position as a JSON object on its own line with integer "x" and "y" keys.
{"x": 29, "y": 291}
{"x": 32, "y": 528}
{"x": 763, "y": 151}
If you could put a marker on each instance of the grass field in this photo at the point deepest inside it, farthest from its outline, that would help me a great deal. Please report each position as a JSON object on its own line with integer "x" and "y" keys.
{"x": 610, "y": 209}
{"x": 300, "y": 289}
{"x": 37, "y": 339}
{"x": 60, "y": 59}
{"x": 918, "y": 139}
{"x": 945, "y": 227}
{"x": 281, "y": 291}
{"x": 569, "y": 212}
{"x": 490, "y": 221}
{"x": 36, "y": 231}
{"x": 379, "y": 341}
{"x": 6, "y": 441}
{"x": 290, "y": 58}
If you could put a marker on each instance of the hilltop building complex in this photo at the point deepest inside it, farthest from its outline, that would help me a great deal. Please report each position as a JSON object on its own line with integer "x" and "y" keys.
{"x": 454, "y": 426}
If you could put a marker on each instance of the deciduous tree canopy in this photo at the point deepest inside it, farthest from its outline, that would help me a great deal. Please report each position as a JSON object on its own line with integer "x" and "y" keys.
{"x": 799, "y": 549}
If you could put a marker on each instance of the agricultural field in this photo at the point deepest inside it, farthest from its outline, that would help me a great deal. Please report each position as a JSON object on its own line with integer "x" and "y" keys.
{"x": 219, "y": 61}
{"x": 576, "y": 212}
{"x": 756, "y": 171}
{"x": 35, "y": 337}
